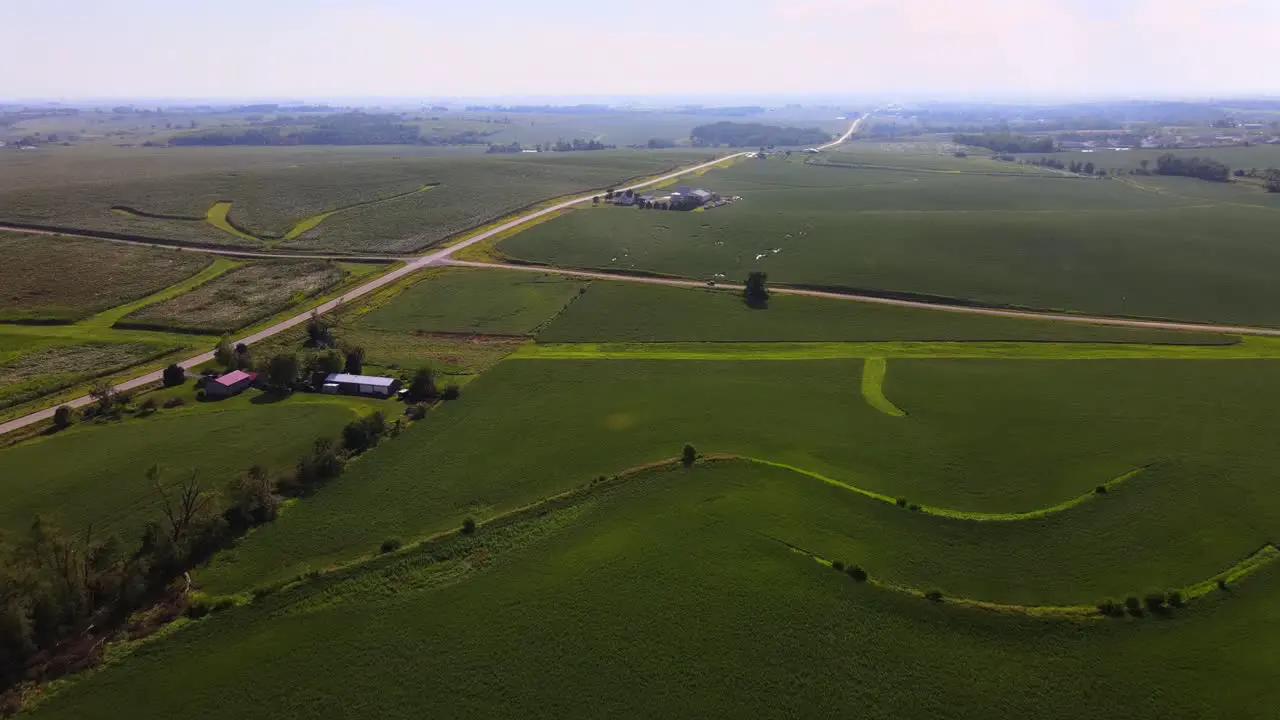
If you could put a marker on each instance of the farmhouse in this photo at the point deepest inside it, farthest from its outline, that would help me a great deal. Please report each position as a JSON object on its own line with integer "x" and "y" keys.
{"x": 360, "y": 385}
{"x": 232, "y": 383}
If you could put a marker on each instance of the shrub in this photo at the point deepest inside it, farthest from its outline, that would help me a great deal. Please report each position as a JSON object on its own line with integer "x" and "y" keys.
{"x": 1154, "y": 601}
{"x": 174, "y": 375}
{"x": 933, "y": 596}
{"x": 913, "y": 507}
{"x": 1100, "y": 490}
{"x": 1110, "y": 608}
{"x": 416, "y": 411}
{"x": 837, "y": 565}
{"x": 469, "y": 527}
{"x": 1222, "y": 583}
{"x": 1176, "y": 599}
{"x": 63, "y": 417}
{"x": 360, "y": 435}
{"x": 149, "y": 405}
{"x": 857, "y": 573}
{"x": 450, "y": 392}
{"x": 1133, "y": 605}
{"x": 390, "y": 545}
{"x": 689, "y": 455}
{"x": 902, "y": 502}
{"x": 174, "y": 402}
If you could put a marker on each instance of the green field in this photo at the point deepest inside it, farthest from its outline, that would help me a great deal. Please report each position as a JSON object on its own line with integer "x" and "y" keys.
{"x": 239, "y": 297}
{"x": 631, "y": 312}
{"x": 32, "y": 367}
{"x": 277, "y": 195}
{"x": 677, "y": 587}
{"x": 1095, "y": 246}
{"x": 96, "y": 474}
{"x": 466, "y": 301}
{"x": 54, "y": 279}
{"x": 981, "y": 435}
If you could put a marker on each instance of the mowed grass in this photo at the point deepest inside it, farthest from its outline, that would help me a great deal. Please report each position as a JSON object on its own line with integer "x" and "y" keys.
{"x": 55, "y": 279}
{"x": 95, "y": 475}
{"x": 469, "y": 301}
{"x": 239, "y": 297}
{"x": 675, "y": 592}
{"x": 273, "y": 190}
{"x": 31, "y": 367}
{"x": 1093, "y": 246}
{"x": 981, "y": 435}
{"x": 635, "y": 312}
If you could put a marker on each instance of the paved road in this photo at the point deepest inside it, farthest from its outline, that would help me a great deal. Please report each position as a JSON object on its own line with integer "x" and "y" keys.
{"x": 411, "y": 265}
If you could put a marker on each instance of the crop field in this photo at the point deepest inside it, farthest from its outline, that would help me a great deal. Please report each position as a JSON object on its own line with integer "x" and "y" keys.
{"x": 32, "y": 367}
{"x": 630, "y": 312}
{"x": 466, "y": 301}
{"x": 595, "y": 578}
{"x": 978, "y": 436}
{"x": 1095, "y": 246}
{"x": 358, "y": 200}
{"x": 239, "y": 297}
{"x": 52, "y": 279}
{"x": 96, "y": 474}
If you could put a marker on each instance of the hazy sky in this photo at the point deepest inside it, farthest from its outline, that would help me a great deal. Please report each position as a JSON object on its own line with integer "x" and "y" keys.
{"x": 434, "y": 48}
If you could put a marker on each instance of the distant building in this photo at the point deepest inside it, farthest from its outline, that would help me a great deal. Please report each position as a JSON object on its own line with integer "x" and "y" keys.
{"x": 232, "y": 383}
{"x": 624, "y": 199}
{"x": 360, "y": 385}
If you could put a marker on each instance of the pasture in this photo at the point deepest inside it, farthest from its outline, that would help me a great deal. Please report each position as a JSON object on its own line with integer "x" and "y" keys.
{"x": 239, "y": 297}
{"x": 56, "y": 279}
{"x": 343, "y": 199}
{"x": 985, "y": 436}
{"x": 659, "y": 587}
{"x": 95, "y": 474}
{"x": 467, "y": 301}
{"x": 1051, "y": 242}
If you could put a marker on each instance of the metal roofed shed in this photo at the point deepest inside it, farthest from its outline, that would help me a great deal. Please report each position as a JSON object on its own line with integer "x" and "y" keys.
{"x": 362, "y": 384}
{"x": 232, "y": 383}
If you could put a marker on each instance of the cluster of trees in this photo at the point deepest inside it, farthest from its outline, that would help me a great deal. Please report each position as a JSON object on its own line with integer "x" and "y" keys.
{"x": 1273, "y": 180}
{"x": 734, "y": 134}
{"x": 1195, "y": 167}
{"x": 354, "y": 128}
{"x": 1006, "y": 142}
{"x": 756, "y": 291}
{"x": 577, "y": 144}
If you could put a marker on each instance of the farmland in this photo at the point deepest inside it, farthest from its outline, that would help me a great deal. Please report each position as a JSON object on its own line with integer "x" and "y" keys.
{"x": 96, "y": 475}
{"x": 978, "y": 432}
{"x": 595, "y": 580}
{"x": 357, "y": 200}
{"x": 65, "y": 279}
{"x": 239, "y": 297}
{"x": 880, "y": 511}
{"x": 1052, "y": 242}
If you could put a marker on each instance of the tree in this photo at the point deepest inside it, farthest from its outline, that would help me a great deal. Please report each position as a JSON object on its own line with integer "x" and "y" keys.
{"x": 104, "y": 393}
{"x": 319, "y": 331}
{"x": 282, "y": 372}
{"x": 174, "y": 375}
{"x": 608, "y": 194}
{"x": 1273, "y": 180}
{"x": 329, "y": 362}
{"x": 595, "y": 200}
{"x": 423, "y": 385}
{"x": 689, "y": 456}
{"x": 63, "y": 417}
{"x": 469, "y": 527}
{"x": 224, "y": 353}
{"x": 1088, "y": 168}
{"x": 354, "y": 361}
{"x": 252, "y": 502}
{"x": 756, "y": 293}
{"x": 1145, "y": 165}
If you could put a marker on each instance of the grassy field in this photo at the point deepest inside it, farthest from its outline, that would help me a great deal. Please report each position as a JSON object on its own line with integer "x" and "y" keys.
{"x": 1095, "y": 246}
{"x": 239, "y": 297}
{"x": 981, "y": 435}
{"x": 631, "y": 312}
{"x": 466, "y": 301}
{"x": 278, "y": 195}
{"x": 64, "y": 279}
{"x": 677, "y": 587}
{"x": 32, "y": 367}
{"x": 96, "y": 474}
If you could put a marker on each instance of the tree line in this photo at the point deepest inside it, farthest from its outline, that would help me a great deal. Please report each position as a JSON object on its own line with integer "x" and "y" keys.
{"x": 733, "y": 134}
{"x": 354, "y": 128}
{"x": 1194, "y": 167}
{"x": 1006, "y": 142}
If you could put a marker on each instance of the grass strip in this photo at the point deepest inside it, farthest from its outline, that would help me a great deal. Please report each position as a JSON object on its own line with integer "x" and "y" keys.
{"x": 873, "y": 372}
